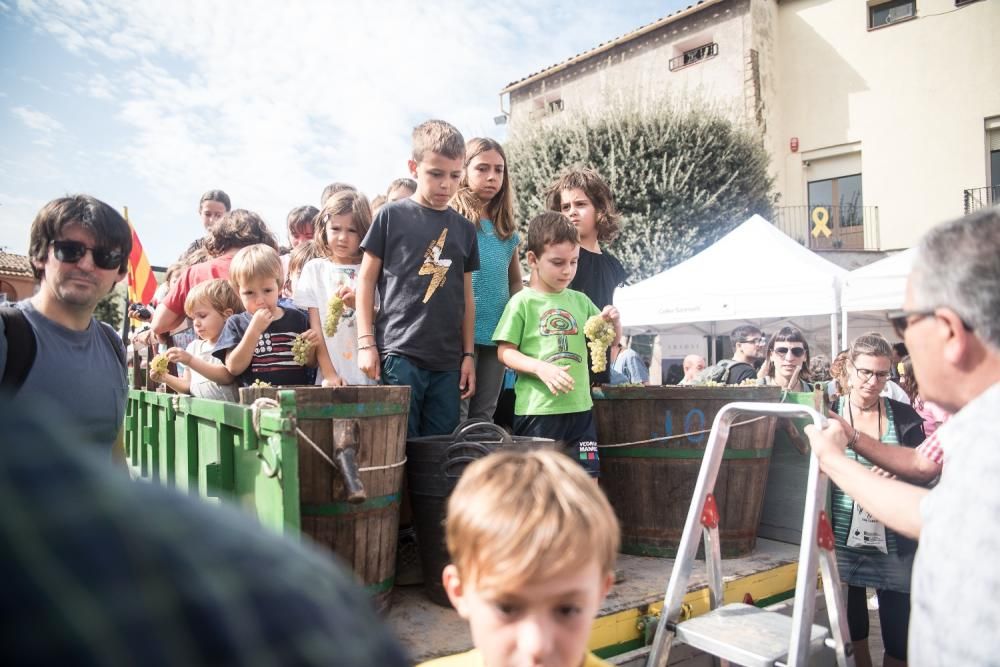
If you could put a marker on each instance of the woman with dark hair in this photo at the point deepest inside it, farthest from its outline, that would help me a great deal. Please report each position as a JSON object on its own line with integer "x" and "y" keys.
{"x": 237, "y": 229}
{"x": 869, "y": 554}
{"x": 786, "y": 361}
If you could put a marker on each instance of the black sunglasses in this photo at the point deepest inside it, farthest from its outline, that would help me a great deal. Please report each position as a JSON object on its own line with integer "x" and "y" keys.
{"x": 796, "y": 351}
{"x": 72, "y": 252}
{"x": 900, "y": 319}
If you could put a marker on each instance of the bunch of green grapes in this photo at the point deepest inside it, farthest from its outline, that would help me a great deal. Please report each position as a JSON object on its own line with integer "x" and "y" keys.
{"x": 600, "y": 334}
{"x": 260, "y": 383}
{"x": 334, "y": 308}
{"x": 749, "y": 382}
{"x": 300, "y": 350}
{"x": 158, "y": 364}
{"x": 711, "y": 383}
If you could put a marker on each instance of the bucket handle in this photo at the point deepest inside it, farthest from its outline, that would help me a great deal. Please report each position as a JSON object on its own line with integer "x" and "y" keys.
{"x": 470, "y": 426}
{"x": 450, "y": 460}
{"x": 346, "y": 439}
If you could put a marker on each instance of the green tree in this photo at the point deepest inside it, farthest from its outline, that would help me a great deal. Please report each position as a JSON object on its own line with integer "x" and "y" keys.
{"x": 682, "y": 177}
{"x": 110, "y": 309}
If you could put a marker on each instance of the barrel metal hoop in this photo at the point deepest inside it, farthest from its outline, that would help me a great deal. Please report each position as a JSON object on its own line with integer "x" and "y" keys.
{"x": 351, "y": 410}
{"x": 343, "y": 507}
{"x": 682, "y": 453}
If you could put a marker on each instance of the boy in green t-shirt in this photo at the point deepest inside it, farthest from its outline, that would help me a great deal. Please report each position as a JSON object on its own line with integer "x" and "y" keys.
{"x": 540, "y": 335}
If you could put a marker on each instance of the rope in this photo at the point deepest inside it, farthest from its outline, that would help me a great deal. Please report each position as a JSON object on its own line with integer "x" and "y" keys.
{"x": 675, "y": 437}
{"x": 271, "y": 403}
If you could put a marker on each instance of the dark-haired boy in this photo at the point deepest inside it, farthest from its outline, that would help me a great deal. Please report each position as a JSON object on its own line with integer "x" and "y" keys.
{"x": 540, "y": 335}
{"x": 421, "y": 254}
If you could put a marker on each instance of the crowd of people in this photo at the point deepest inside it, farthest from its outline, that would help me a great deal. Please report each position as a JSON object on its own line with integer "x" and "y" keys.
{"x": 424, "y": 288}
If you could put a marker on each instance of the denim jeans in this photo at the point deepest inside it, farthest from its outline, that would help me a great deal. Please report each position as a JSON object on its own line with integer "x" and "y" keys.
{"x": 434, "y": 395}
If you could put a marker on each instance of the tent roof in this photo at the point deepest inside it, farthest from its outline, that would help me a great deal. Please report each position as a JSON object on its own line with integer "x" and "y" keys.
{"x": 879, "y": 286}
{"x": 753, "y": 272}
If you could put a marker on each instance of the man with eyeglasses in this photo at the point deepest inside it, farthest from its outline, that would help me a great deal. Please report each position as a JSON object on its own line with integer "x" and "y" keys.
{"x": 53, "y": 347}
{"x": 951, "y": 326}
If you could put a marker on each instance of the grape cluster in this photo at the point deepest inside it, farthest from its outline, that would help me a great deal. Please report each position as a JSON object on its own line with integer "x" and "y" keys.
{"x": 600, "y": 333}
{"x": 260, "y": 383}
{"x": 158, "y": 364}
{"x": 300, "y": 350}
{"x": 334, "y": 308}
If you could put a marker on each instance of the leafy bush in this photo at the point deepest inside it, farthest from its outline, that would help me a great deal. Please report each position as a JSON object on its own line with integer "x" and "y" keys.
{"x": 682, "y": 177}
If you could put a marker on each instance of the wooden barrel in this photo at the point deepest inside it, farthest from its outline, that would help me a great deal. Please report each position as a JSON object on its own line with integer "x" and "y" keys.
{"x": 651, "y": 484}
{"x": 362, "y": 533}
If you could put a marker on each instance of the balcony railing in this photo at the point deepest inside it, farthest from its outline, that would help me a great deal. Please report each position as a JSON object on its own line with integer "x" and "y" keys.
{"x": 830, "y": 227}
{"x": 977, "y": 198}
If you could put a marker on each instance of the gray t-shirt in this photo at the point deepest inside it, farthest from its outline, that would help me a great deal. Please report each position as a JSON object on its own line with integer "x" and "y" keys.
{"x": 955, "y": 605}
{"x": 79, "y": 371}
{"x": 425, "y": 255}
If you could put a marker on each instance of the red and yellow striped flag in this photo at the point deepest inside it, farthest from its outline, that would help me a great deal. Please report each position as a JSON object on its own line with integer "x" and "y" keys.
{"x": 141, "y": 281}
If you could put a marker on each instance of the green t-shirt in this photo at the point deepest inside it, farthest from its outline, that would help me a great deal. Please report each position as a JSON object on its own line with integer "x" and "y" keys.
{"x": 549, "y": 327}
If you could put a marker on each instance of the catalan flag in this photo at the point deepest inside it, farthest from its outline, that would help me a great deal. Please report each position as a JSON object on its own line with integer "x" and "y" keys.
{"x": 141, "y": 281}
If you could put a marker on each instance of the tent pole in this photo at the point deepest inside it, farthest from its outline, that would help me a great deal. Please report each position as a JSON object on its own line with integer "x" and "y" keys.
{"x": 833, "y": 335}
{"x": 843, "y": 327}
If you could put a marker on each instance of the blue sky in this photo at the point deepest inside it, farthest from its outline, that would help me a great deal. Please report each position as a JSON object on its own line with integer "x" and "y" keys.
{"x": 148, "y": 104}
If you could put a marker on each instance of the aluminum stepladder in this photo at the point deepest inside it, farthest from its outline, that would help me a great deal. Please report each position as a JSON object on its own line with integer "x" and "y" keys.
{"x": 741, "y": 633}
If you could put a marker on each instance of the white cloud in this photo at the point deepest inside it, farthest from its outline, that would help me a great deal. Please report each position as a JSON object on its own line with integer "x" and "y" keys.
{"x": 271, "y": 101}
{"x": 40, "y": 122}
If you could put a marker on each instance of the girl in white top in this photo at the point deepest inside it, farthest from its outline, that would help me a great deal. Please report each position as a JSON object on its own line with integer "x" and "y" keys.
{"x": 209, "y": 304}
{"x": 340, "y": 227}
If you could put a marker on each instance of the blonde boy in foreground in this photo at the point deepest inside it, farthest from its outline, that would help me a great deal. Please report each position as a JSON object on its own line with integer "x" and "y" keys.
{"x": 530, "y": 579}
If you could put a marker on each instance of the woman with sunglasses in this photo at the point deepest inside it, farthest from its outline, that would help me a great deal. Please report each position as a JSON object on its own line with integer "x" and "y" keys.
{"x": 868, "y": 554}
{"x": 786, "y": 362}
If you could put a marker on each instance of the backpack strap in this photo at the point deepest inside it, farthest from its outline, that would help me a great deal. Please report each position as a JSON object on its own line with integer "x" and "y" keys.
{"x": 116, "y": 343}
{"x": 21, "y": 348}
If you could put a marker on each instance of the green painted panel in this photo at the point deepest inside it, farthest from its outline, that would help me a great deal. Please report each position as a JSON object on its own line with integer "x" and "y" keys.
{"x": 341, "y": 508}
{"x": 606, "y": 652}
{"x": 678, "y": 453}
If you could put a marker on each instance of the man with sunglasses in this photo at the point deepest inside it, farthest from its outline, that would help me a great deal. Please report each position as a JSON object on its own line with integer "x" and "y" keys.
{"x": 79, "y": 250}
{"x": 748, "y": 349}
{"x": 951, "y": 326}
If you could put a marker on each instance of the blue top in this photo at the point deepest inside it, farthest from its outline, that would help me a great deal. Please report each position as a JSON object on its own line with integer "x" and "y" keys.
{"x": 491, "y": 284}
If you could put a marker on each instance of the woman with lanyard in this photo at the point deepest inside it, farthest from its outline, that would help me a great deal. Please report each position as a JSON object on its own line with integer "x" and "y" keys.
{"x": 869, "y": 554}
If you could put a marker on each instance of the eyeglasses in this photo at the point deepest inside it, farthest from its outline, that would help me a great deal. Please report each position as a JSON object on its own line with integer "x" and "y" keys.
{"x": 900, "y": 319}
{"x": 867, "y": 374}
{"x": 796, "y": 351}
{"x": 72, "y": 252}
{"x": 753, "y": 341}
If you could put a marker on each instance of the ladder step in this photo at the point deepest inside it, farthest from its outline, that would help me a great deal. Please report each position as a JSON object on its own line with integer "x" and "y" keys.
{"x": 745, "y": 635}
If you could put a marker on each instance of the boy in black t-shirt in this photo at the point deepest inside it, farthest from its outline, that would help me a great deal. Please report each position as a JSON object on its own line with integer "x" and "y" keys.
{"x": 257, "y": 344}
{"x": 421, "y": 254}
{"x": 583, "y": 197}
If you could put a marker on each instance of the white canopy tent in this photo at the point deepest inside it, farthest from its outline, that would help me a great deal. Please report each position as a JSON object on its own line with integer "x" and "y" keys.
{"x": 880, "y": 286}
{"x": 754, "y": 273}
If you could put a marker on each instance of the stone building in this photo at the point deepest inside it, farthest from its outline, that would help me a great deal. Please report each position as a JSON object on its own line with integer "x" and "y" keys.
{"x": 882, "y": 117}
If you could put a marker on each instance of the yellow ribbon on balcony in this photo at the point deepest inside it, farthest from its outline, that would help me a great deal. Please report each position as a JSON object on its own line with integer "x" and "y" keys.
{"x": 820, "y": 218}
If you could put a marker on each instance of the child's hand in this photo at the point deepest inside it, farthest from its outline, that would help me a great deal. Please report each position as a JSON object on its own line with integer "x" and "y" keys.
{"x": 178, "y": 356}
{"x": 610, "y": 313}
{"x": 467, "y": 383}
{"x": 335, "y": 381}
{"x": 159, "y": 378}
{"x": 556, "y": 378}
{"x": 346, "y": 293}
{"x": 260, "y": 321}
{"x": 310, "y": 337}
{"x": 369, "y": 363}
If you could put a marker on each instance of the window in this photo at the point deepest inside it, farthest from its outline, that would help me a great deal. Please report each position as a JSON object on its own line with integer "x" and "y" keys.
{"x": 692, "y": 56}
{"x": 841, "y": 197}
{"x": 884, "y": 13}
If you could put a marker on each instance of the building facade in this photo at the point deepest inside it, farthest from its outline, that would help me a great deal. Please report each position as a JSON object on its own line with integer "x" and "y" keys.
{"x": 882, "y": 117}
